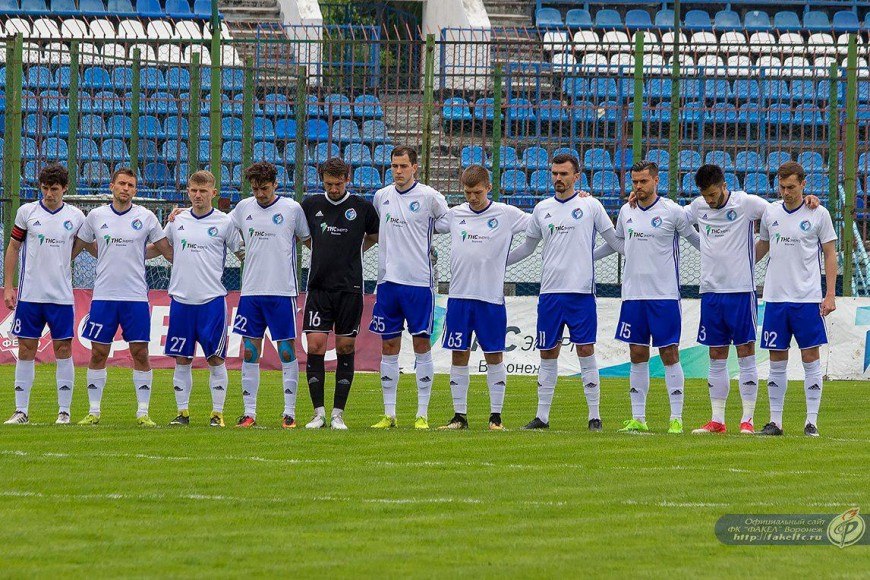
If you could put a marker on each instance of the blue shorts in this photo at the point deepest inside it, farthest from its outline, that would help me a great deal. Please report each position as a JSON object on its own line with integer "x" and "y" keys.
{"x": 256, "y": 313}
{"x": 729, "y": 318}
{"x": 202, "y": 323}
{"x": 782, "y": 320}
{"x": 106, "y": 315}
{"x": 642, "y": 321}
{"x": 397, "y": 303}
{"x": 31, "y": 317}
{"x": 486, "y": 320}
{"x": 576, "y": 311}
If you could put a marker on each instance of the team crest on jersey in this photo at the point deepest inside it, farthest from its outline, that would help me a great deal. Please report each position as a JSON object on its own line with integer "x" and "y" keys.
{"x": 805, "y": 226}
{"x": 278, "y": 218}
{"x": 492, "y": 223}
{"x": 137, "y": 224}
{"x": 577, "y": 213}
{"x": 415, "y": 206}
{"x": 656, "y": 222}
{"x": 731, "y": 215}
{"x": 213, "y": 231}
{"x": 350, "y": 214}
{"x": 68, "y": 225}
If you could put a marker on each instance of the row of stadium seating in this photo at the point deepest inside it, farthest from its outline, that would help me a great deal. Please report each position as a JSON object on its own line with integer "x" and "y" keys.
{"x": 105, "y": 29}
{"x": 699, "y": 20}
{"x": 142, "y": 8}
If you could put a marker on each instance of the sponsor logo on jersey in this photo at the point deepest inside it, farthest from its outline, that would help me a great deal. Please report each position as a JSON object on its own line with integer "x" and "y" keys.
{"x": 716, "y": 232}
{"x": 394, "y": 221}
{"x": 548, "y": 216}
{"x": 335, "y": 231}
{"x": 577, "y": 213}
{"x": 185, "y": 245}
{"x": 731, "y": 215}
{"x": 492, "y": 223}
{"x": 213, "y": 231}
{"x": 278, "y": 219}
{"x": 254, "y": 233}
{"x": 559, "y": 229}
{"x": 180, "y": 228}
{"x": 774, "y": 224}
{"x": 104, "y": 227}
{"x": 656, "y": 222}
{"x": 350, "y": 214}
{"x": 50, "y": 241}
{"x": 137, "y": 224}
{"x": 636, "y": 235}
{"x": 805, "y": 225}
{"x": 462, "y": 223}
{"x": 123, "y": 242}
{"x": 630, "y": 221}
{"x": 318, "y": 214}
{"x": 36, "y": 223}
{"x": 780, "y": 239}
{"x": 68, "y": 225}
{"x": 473, "y": 238}
{"x": 249, "y": 218}
{"x": 415, "y": 206}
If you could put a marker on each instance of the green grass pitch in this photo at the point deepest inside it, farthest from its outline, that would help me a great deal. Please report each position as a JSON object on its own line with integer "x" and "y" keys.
{"x": 115, "y": 500}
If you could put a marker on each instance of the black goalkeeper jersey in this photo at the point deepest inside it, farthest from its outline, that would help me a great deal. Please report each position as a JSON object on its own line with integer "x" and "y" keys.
{"x": 337, "y": 235}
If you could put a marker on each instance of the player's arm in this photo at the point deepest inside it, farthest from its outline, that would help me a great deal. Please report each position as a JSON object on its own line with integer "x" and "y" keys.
{"x": 80, "y": 245}
{"x": 524, "y": 250}
{"x": 373, "y": 226}
{"x": 830, "y": 251}
{"x": 762, "y": 246}
{"x": 442, "y": 224}
{"x": 614, "y": 244}
{"x": 9, "y": 266}
{"x": 685, "y": 229}
{"x": 161, "y": 247}
{"x": 369, "y": 241}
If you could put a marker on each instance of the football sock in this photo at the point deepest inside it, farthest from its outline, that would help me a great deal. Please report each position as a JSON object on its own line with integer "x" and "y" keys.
{"x": 96, "y": 383}
{"x": 183, "y": 383}
{"x": 748, "y": 386}
{"x": 813, "y": 389}
{"x": 638, "y": 380}
{"x": 496, "y": 380}
{"x": 777, "y": 385}
{"x": 24, "y": 374}
{"x": 316, "y": 375}
{"x": 675, "y": 383}
{"x": 142, "y": 383}
{"x": 459, "y": 380}
{"x": 290, "y": 378}
{"x": 390, "y": 382}
{"x": 217, "y": 382}
{"x": 65, "y": 376}
{"x": 591, "y": 384}
{"x": 425, "y": 375}
{"x": 719, "y": 385}
{"x": 547, "y": 377}
{"x": 250, "y": 386}
{"x": 343, "y": 380}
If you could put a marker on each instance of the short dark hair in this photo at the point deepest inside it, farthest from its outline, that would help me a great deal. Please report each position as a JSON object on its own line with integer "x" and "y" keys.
{"x": 54, "y": 174}
{"x": 475, "y": 175}
{"x": 709, "y": 175}
{"x": 261, "y": 172}
{"x": 790, "y": 168}
{"x": 123, "y": 171}
{"x": 334, "y": 167}
{"x": 567, "y": 158}
{"x": 646, "y": 165}
{"x": 404, "y": 150}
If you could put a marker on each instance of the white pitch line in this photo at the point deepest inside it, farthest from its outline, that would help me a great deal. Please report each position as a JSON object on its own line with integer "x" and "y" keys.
{"x": 749, "y": 505}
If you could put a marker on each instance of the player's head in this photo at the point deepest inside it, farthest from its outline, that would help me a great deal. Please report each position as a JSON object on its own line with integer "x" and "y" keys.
{"x": 123, "y": 185}
{"x": 792, "y": 181}
{"x": 710, "y": 179}
{"x": 201, "y": 190}
{"x": 53, "y": 181}
{"x": 263, "y": 177}
{"x": 403, "y": 164}
{"x": 335, "y": 176}
{"x": 565, "y": 171}
{"x": 645, "y": 181}
{"x": 477, "y": 185}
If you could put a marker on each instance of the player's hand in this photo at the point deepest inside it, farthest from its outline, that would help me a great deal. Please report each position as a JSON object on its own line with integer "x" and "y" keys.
{"x": 828, "y": 305}
{"x": 632, "y": 199}
{"x": 813, "y": 202}
{"x": 10, "y": 298}
{"x": 175, "y": 211}
{"x": 583, "y": 193}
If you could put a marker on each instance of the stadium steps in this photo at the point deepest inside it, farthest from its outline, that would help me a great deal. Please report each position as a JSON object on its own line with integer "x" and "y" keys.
{"x": 249, "y": 13}
{"x": 509, "y": 13}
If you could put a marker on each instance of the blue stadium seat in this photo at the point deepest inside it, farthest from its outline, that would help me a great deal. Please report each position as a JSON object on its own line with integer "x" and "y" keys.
{"x": 38, "y": 77}
{"x": 749, "y": 162}
{"x": 205, "y": 127}
{"x": 147, "y": 149}
{"x": 383, "y": 155}
{"x": 316, "y": 130}
{"x": 30, "y": 102}
{"x": 757, "y": 184}
{"x": 202, "y": 8}
{"x": 508, "y": 158}
{"x": 775, "y": 159}
{"x": 846, "y": 21}
{"x": 808, "y": 115}
{"x": 690, "y": 160}
{"x": 756, "y": 21}
{"x": 720, "y": 158}
{"x": 817, "y": 21}
{"x": 717, "y": 91}
{"x": 277, "y": 105}
{"x": 312, "y": 179}
{"x": 96, "y": 77}
{"x": 231, "y": 128}
{"x": 149, "y": 8}
{"x": 205, "y": 151}
{"x": 59, "y": 126}
{"x": 805, "y": 90}
{"x": 864, "y": 163}
{"x": 283, "y": 178}
{"x": 727, "y": 20}
{"x": 119, "y": 7}
{"x": 623, "y": 158}
{"x": 337, "y": 105}
{"x": 64, "y": 7}
{"x": 786, "y": 21}
{"x": 817, "y": 184}
{"x": 357, "y": 154}
{"x": 263, "y": 129}
{"x": 9, "y": 6}
{"x": 153, "y": 79}
{"x": 732, "y": 182}
{"x": 745, "y": 90}
{"x": 33, "y": 6}
{"x": 548, "y": 18}
{"x": 367, "y": 178}
{"x": 61, "y": 77}
{"x": 484, "y": 109}
{"x": 122, "y": 78}
{"x": 811, "y": 161}
{"x": 693, "y": 113}
{"x": 114, "y": 150}
{"x": 178, "y": 9}
{"x": 289, "y": 154}
{"x": 92, "y": 7}
{"x": 660, "y": 157}
{"x": 119, "y": 126}
{"x": 231, "y": 151}
{"x": 28, "y": 148}
{"x": 597, "y": 160}
{"x": 723, "y": 113}
{"x": 775, "y": 90}
{"x": 323, "y": 151}
{"x": 688, "y": 185}
{"x": 232, "y": 80}
{"x": 541, "y": 182}
{"x": 367, "y": 107}
{"x": 96, "y": 173}
{"x": 603, "y": 88}
{"x": 266, "y": 151}
{"x": 552, "y": 111}
{"x": 536, "y": 158}
{"x": 779, "y": 115}
{"x": 232, "y": 176}
{"x": 456, "y": 110}
{"x": 30, "y": 174}
{"x": 35, "y": 125}
{"x": 513, "y": 181}
{"x": 157, "y": 174}
{"x": 698, "y": 20}
{"x": 664, "y": 19}
{"x": 567, "y": 151}
{"x": 637, "y": 19}
{"x": 575, "y": 87}
{"x": 285, "y": 129}
{"x": 88, "y": 149}
{"x": 346, "y": 131}
{"x": 150, "y": 128}
{"x": 54, "y": 148}
{"x": 608, "y": 18}
{"x": 375, "y": 131}
{"x": 605, "y": 183}
{"x": 472, "y": 155}
{"x": 579, "y": 19}
{"x": 661, "y": 113}
{"x": 174, "y": 150}
{"x": 520, "y": 111}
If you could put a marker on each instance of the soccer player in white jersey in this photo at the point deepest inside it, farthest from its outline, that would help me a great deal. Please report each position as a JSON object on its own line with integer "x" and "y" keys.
{"x": 726, "y": 224}
{"x": 121, "y": 230}
{"x": 406, "y": 285}
{"x": 200, "y": 239}
{"x": 796, "y": 237}
{"x": 567, "y": 223}
{"x": 481, "y": 231}
{"x": 650, "y": 311}
{"x": 270, "y": 227}
{"x": 44, "y": 236}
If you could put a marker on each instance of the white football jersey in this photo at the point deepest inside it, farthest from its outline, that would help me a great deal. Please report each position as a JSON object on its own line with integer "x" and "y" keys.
{"x": 479, "y": 247}
{"x": 270, "y": 234}
{"x": 727, "y": 241}
{"x": 794, "y": 273}
{"x": 405, "y": 236}
{"x": 652, "y": 249}
{"x": 44, "y": 271}
{"x": 121, "y": 239}
{"x": 568, "y": 229}
{"x": 199, "y": 251}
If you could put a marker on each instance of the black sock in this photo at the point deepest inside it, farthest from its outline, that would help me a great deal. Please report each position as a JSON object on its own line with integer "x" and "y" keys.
{"x": 343, "y": 379}
{"x": 316, "y": 375}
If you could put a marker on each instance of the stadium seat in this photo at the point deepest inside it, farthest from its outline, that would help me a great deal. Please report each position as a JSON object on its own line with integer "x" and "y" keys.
{"x": 263, "y": 129}
{"x": 174, "y": 150}
{"x": 59, "y": 126}
{"x": 846, "y": 21}
{"x": 231, "y": 152}
{"x": 717, "y": 91}
{"x": 575, "y": 87}
{"x": 536, "y": 158}
{"x": 660, "y": 157}
{"x": 637, "y": 19}
{"x": 775, "y": 159}
{"x": 316, "y": 130}
{"x": 178, "y": 9}
{"x": 720, "y": 158}
{"x": 277, "y": 105}
{"x": 152, "y": 79}
{"x": 698, "y": 20}
{"x": 608, "y": 19}
{"x": 285, "y": 129}
{"x": 745, "y": 90}
{"x": 548, "y": 18}
{"x": 358, "y": 154}
{"x": 520, "y": 111}
{"x": 149, "y": 8}
{"x": 816, "y": 20}
{"x": 472, "y": 155}
{"x": 88, "y": 149}
{"x": 513, "y": 181}
{"x": 38, "y": 77}
{"x": 337, "y": 105}
{"x": 623, "y": 158}
{"x": 202, "y": 8}
{"x": 382, "y": 156}
{"x": 578, "y": 18}
{"x": 811, "y": 161}
{"x": 727, "y": 20}
{"x": 603, "y": 88}
{"x": 266, "y": 151}
{"x": 805, "y": 90}
{"x": 312, "y": 179}
{"x": 96, "y": 173}
{"x": 115, "y": 150}
{"x": 367, "y": 178}
{"x": 456, "y": 110}
{"x": 541, "y": 182}
{"x": 367, "y": 107}
{"x": 817, "y": 184}
{"x": 150, "y": 127}
{"x": 775, "y": 91}
{"x": 808, "y": 115}
{"x": 757, "y": 184}
{"x": 688, "y": 185}
{"x": 552, "y": 111}
{"x": 92, "y": 8}
{"x": 664, "y": 19}
{"x": 689, "y": 160}
{"x": 732, "y": 182}
{"x": 786, "y": 21}
{"x": 748, "y": 162}
{"x": 35, "y": 125}
{"x": 63, "y": 6}
{"x": 53, "y": 148}
{"x": 322, "y": 152}
{"x": 508, "y": 158}
{"x": 597, "y": 160}
{"x": 231, "y": 128}
{"x": 484, "y": 109}
{"x": 605, "y": 183}
{"x": 157, "y": 174}
{"x": 346, "y": 131}
{"x": 756, "y": 20}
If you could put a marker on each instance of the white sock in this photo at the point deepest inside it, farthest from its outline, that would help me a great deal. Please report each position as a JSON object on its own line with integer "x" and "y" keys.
{"x": 290, "y": 377}
{"x": 547, "y": 377}
{"x": 748, "y": 386}
{"x": 182, "y": 381}
{"x": 217, "y": 382}
{"x": 250, "y": 386}
{"x": 638, "y": 380}
{"x": 142, "y": 383}
{"x": 813, "y": 389}
{"x": 777, "y": 385}
{"x": 591, "y": 384}
{"x": 96, "y": 383}
{"x": 459, "y": 388}
{"x": 24, "y": 374}
{"x": 320, "y": 411}
{"x": 390, "y": 382}
{"x": 719, "y": 385}
{"x": 65, "y": 376}
{"x": 425, "y": 376}
{"x": 675, "y": 383}
{"x": 335, "y": 413}
{"x": 496, "y": 380}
